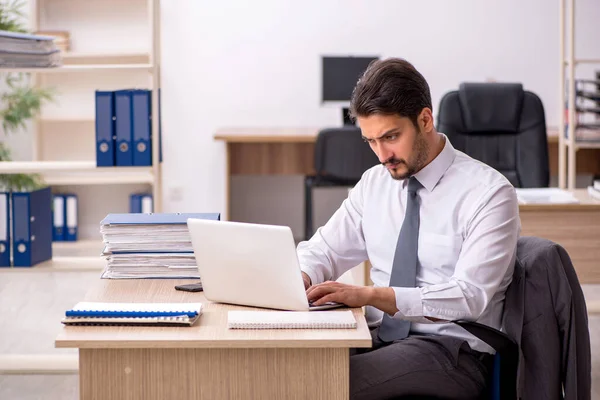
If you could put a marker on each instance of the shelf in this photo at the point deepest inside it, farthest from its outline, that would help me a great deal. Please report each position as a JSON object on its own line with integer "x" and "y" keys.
{"x": 68, "y": 120}
{"x": 34, "y": 167}
{"x": 70, "y": 58}
{"x": 585, "y": 145}
{"x": 81, "y": 68}
{"x": 587, "y": 61}
{"x": 584, "y": 61}
{"x": 78, "y": 172}
{"x": 82, "y": 247}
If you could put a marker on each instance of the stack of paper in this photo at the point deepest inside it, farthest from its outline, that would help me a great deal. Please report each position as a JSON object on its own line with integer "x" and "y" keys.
{"x": 149, "y": 246}
{"x": 594, "y": 189}
{"x": 545, "y": 196}
{"x": 20, "y": 50}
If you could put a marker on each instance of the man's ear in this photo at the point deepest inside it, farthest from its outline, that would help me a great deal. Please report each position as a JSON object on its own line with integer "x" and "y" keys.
{"x": 426, "y": 120}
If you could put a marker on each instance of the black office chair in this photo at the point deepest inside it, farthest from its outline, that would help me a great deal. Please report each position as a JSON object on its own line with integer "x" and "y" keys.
{"x": 501, "y": 125}
{"x": 341, "y": 157}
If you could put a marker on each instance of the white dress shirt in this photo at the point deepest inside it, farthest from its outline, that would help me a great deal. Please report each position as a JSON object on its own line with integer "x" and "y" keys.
{"x": 469, "y": 226}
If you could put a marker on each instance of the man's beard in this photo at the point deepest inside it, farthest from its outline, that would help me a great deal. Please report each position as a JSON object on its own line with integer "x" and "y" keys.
{"x": 419, "y": 157}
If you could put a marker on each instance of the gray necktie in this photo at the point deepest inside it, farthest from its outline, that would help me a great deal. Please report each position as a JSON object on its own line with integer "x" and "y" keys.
{"x": 404, "y": 268}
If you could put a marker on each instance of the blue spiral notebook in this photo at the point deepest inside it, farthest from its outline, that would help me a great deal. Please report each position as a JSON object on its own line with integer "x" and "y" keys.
{"x": 154, "y": 314}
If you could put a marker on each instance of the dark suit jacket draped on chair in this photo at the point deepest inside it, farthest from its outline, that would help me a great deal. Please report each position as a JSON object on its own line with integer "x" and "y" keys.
{"x": 545, "y": 312}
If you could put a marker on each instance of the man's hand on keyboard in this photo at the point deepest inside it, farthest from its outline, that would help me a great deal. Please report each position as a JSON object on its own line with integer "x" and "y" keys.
{"x": 350, "y": 295}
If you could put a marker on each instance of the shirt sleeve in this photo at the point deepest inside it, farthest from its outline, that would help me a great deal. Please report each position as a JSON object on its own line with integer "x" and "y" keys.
{"x": 339, "y": 245}
{"x": 487, "y": 253}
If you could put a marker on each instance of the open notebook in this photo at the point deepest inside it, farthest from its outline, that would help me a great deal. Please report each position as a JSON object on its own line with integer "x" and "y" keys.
{"x": 291, "y": 320}
{"x": 154, "y": 314}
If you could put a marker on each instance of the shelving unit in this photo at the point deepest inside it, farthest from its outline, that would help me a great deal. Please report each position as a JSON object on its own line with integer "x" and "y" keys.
{"x": 101, "y": 57}
{"x": 570, "y": 138}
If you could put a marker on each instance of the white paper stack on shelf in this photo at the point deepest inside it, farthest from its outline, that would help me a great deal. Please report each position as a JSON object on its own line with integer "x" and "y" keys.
{"x": 594, "y": 189}
{"x": 149, "y": 246}
{"x": 21, "y": 50}
{"x": 545, "y": 196}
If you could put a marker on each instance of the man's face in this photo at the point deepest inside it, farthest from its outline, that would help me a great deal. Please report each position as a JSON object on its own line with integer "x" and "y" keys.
{"x": 399, "y": 145}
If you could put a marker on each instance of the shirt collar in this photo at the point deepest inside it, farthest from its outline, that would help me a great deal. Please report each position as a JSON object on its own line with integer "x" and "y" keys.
{"x": 431, "y": 174}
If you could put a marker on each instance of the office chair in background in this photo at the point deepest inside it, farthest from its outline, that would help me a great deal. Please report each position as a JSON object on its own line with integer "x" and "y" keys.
{"x": 341, "y": 157}
{"x": 500, "y": 125}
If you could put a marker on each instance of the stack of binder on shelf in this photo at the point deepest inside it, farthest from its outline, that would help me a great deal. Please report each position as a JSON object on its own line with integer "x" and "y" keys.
{"x": 594, "y": 188}
{"x": 64, "y": 216}
{"x": 545, "y": 196}
{"x": 21, "y": 50}
{"x": 25, "y": 228}
{"x": 124, "y": 128}
{"x": 149, "y": 246}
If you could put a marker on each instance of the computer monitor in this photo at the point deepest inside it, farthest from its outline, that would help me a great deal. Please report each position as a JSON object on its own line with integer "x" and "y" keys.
{"x": 339, "y": 77}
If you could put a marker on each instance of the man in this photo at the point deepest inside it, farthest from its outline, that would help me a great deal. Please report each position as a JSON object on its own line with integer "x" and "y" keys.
{"x": 440, "y": 230}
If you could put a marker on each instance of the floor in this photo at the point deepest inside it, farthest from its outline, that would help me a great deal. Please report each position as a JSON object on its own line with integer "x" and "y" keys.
{"x": 33, "y": 301}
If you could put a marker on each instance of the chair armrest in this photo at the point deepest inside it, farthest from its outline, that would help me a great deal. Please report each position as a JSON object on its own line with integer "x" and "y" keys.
{"x": 499, "y": 341}
{"x": 507, "y": 349}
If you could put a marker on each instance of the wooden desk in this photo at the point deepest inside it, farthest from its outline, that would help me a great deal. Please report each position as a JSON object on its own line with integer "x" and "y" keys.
{"x": 290, "y": 151}
{"x": 207, "y": 361}
{"x": 576, "y": 227}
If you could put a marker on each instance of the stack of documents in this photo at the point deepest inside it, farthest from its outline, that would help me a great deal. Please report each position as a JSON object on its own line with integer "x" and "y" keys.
{"x": 545, "y": 196}
{"x": 594, "y": 189}
{"x": 21, "y": 50}
{"x": 149, "y": 246}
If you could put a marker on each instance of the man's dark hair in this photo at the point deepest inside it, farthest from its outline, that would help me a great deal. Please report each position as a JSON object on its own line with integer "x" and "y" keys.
{"x": 391, "y": 86}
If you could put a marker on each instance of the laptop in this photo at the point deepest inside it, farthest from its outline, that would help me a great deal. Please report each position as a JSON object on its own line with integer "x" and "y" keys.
{"x": 249, "y": 264}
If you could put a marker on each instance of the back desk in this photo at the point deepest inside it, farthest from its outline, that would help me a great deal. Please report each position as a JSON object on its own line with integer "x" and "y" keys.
{"x": 290, "y": 151}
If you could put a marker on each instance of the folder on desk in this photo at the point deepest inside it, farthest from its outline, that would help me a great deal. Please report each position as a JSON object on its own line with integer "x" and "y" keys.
{"x": 123, "y": 128}
{"x": 142, "y": 127}
{"x": 156, "y": 314}
{"x": 32, "y": 227}
{"x": 71, "y": 214}
{"x": 58, "y": 218}
{"x": 4, "y": 229}
{"x": 156, "y": 219}
{"x": 105, "y": 129}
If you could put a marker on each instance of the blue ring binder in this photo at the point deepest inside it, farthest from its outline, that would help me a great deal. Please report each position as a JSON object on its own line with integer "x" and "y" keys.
{"x": 126, "y": 314}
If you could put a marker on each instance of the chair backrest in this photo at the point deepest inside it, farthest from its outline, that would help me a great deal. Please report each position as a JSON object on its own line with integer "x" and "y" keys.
{"x": 501, "y": 125}
{"x": 342, "y": 155}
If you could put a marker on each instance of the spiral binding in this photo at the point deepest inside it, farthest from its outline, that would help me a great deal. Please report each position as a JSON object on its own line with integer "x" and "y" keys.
{"x": 118, "y": 321}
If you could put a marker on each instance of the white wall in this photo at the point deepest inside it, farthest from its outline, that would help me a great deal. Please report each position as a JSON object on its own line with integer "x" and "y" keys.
{"x": 257, "y": 63}
{"x": 241, "y": 63}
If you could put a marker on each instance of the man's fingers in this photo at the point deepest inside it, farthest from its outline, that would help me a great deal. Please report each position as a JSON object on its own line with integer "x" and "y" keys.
{"x": 324, "y": 284}
{"x": 320, "y": 291}
{"x": 334, "y": 296}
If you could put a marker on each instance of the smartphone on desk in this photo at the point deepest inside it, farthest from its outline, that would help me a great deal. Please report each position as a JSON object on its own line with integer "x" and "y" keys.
{"x": 190, "y": 287}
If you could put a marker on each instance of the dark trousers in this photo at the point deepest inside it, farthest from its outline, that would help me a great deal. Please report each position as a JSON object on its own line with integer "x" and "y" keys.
{"x": 438, "y": 366}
